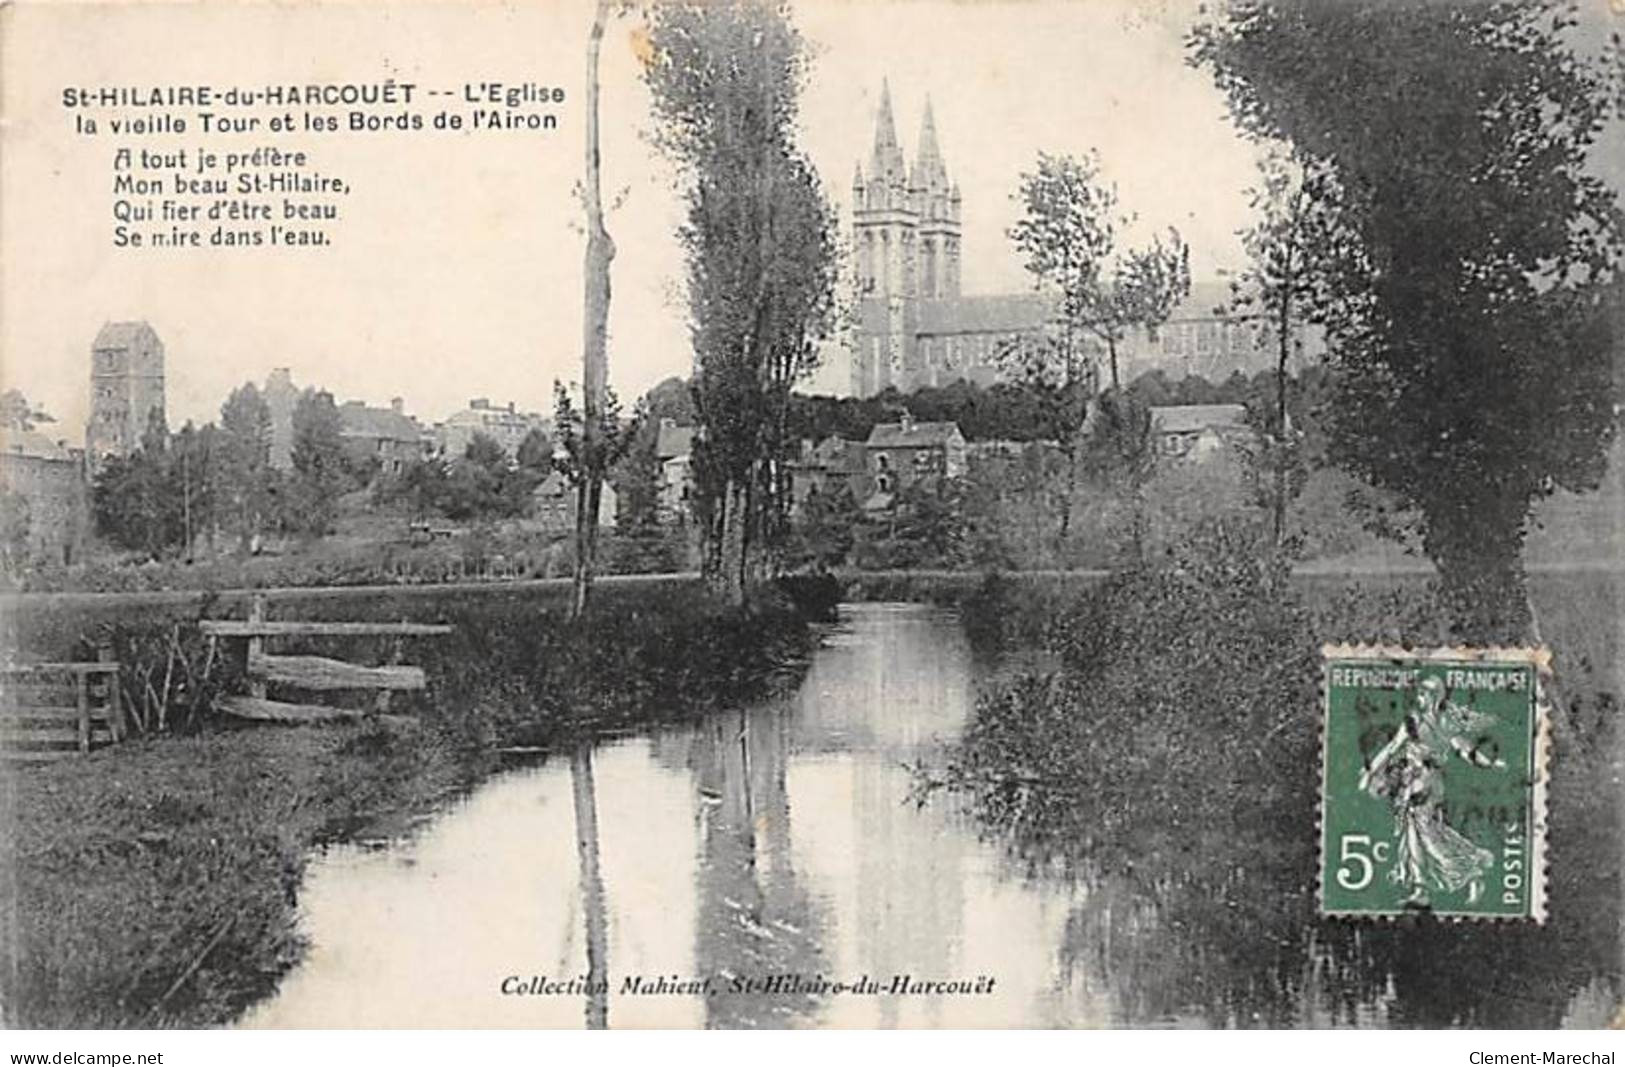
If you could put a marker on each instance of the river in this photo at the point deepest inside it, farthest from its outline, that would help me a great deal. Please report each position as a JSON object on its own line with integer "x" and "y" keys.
{"x": 776, "y": 844}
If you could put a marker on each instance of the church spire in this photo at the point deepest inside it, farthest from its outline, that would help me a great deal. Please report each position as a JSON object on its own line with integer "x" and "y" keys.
{"x": 888, "y": 158}
{"x": 929, "y": 171}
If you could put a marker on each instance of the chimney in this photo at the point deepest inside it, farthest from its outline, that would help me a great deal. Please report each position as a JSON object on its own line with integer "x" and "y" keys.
{"x": 397, "y": 405}
{"x": 906, "y": 421}
{"x": 510, "y": 407}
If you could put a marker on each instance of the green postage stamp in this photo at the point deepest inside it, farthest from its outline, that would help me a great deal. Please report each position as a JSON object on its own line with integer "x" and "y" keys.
{"x": 1433, "y": 782}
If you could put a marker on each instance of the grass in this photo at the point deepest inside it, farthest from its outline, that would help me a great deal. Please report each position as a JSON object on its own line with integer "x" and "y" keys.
{"x": 155, "y": 883}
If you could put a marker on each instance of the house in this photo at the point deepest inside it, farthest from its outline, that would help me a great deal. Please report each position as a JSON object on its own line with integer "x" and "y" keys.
{"x": 1197, "y": 431}
{"x": 53, "y": 518}
{"x": 389, "y": 435}
{"x": 553, "y": 505}
{"x": 825, "y": 468}
{"x": 674, "y": 451}
{"x": 900, "y": 453}
{"x": 505, "y": 425}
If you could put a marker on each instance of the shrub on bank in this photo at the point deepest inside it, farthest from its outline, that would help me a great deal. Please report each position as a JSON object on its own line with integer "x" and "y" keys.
{"x": 1164, "y": 749}
{"x": 1169, "y": 688}
{"x": 511, "y": 672}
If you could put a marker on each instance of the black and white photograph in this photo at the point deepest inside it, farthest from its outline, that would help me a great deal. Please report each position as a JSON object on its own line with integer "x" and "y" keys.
{"x": 813, "y": 514}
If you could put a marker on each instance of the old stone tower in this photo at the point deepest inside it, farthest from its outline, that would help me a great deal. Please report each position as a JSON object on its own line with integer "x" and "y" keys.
{"x": 906, "y": 231}
{"x": 126, "y": 386}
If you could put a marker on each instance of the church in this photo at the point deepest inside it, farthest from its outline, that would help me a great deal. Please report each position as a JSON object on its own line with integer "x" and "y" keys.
{"x": 915, "y": 327}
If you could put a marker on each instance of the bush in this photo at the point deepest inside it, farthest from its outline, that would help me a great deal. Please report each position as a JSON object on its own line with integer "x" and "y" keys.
{"x": 1163, "y": 749}
{"x": 1166, "y": 687}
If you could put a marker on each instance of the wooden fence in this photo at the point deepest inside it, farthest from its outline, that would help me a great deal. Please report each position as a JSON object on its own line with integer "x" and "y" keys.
{"x": 52, "y": 710}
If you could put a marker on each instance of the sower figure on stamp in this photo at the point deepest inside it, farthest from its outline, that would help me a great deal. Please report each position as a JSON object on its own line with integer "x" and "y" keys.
{"x": 1408, "y": 772}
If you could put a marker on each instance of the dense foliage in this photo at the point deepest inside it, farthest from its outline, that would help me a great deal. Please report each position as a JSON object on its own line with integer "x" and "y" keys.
{"x": 481, "y": 484}
{"x": 760, "y": 244}
{"x": 1156, "y": 739}
{"x": 1473, "y": 301}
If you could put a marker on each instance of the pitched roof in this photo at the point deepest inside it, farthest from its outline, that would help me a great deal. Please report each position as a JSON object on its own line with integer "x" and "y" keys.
{"x": 831, "y": 449}
{"x": 122, "y": 334}
{"x": 554, "y": 485}
{"x": 358, "y": 420}
{"x": 1193, "y": 418}
{"x": 31, "y": 443}
{"x": 912, "y": 435}
{"x": 674, "y": 441}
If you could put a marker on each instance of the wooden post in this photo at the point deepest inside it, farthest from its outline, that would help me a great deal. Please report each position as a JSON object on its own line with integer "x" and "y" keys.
{"x": 381, "y": 702}
{"x": 115, "y": 707}
{"x": 256, "y": 645}
{"x": 81, "y": 686}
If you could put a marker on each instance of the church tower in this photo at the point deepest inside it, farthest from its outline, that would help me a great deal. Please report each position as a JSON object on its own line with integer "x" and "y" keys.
{"x": 126, "y": 387}
{"x": 906, "y": 239}
{"x": 938, "y": 206}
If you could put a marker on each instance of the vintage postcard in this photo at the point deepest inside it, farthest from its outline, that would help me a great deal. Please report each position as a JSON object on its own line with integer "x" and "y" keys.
{"x": 912, "y": 514}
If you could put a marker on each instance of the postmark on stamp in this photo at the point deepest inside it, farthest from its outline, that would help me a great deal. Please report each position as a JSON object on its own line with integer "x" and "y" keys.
{"x": 1433, "y": 780}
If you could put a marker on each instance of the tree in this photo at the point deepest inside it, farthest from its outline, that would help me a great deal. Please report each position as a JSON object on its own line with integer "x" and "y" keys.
{"x": 320, "y": 466}
{"x": 483, "y": 484}
{"x": 16, "y": 413}
{"x": 759, "y": 241}
{"x": 1278, "y": 291}
{"x": 243, "y": 471}
{"x": 15, "y": 530}
{"x": 421, "y": 484}
{"x": 602, "y": 450}
{"x": 535, "y": 454}
{"x": 590, "y": 457}
{"x": 135, "y": 498}
{"x": 671, "y": 399}
{"x": 929, "y": 530}
{"x": 1119, "y": 453}
{"x": 1472, "y": 315}
{"x": 825, "y": 526}
{"x": 1069, "y": 236}
{"x": 191, "y": 465}
{"x": 636, "y": 476}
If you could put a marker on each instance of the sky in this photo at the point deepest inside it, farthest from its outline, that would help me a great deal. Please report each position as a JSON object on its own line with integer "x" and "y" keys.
{"x": 456, "y": 271}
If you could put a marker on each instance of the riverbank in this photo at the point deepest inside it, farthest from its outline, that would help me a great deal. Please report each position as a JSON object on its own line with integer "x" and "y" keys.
{"x": 1157, "y": 739}
{"x": 156, "y": 883}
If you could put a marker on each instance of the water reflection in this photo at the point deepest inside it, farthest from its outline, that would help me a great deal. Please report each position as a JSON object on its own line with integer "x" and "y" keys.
{"x": 781, "y": 840}
{"x": 775, "y": 841}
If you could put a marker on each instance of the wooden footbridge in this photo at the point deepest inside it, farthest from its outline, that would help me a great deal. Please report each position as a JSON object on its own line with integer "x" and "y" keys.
{"x": 315, "y": 673}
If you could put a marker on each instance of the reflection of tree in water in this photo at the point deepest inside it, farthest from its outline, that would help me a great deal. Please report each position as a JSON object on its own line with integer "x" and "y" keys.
{"x": 754, "y": 917}
{"x": 584, "y": 794}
